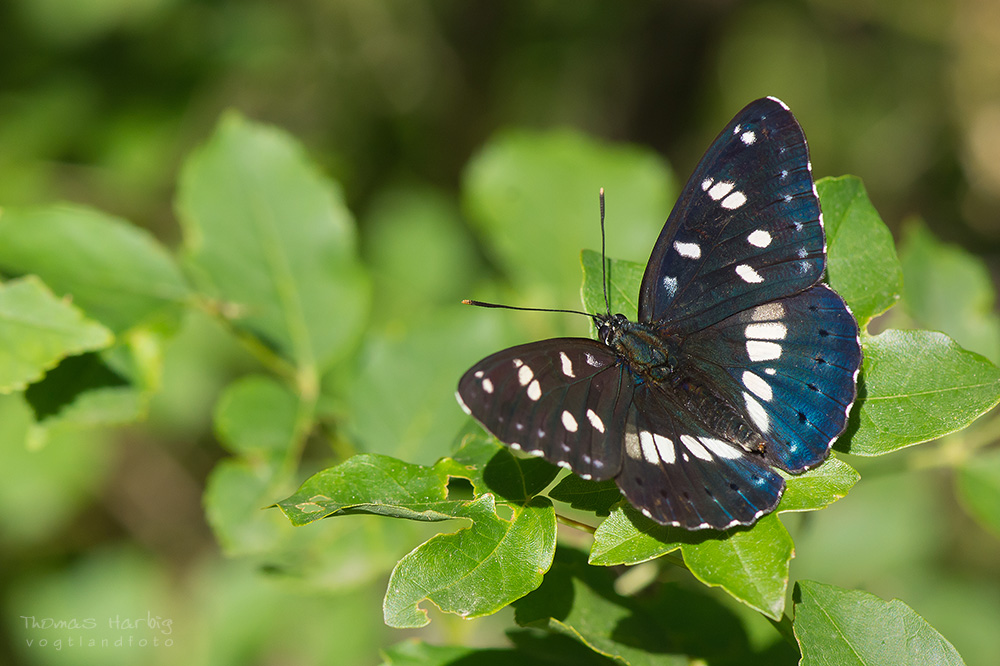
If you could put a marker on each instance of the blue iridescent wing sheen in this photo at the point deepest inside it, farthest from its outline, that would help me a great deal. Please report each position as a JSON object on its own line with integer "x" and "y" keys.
{"x": 746, "y": 229}
{"x": 565, "y": 399}
{"x": 791, "y": 365}
{"x": 677, "y": 472}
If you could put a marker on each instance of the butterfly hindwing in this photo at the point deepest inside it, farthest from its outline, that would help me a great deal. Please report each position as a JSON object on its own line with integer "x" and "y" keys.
{"x": 791, "y": 364}
{"x": 746, "y": 229}
{"x": 564, "y": 399}
{"x": 678, "y": 473}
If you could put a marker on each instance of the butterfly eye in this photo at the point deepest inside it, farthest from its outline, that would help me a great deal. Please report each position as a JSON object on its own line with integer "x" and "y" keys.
{"x": 603, "y": 332}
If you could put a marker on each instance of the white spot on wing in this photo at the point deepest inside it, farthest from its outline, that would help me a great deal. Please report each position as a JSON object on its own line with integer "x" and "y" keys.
{"x": 757, "y": 386}
{"x": 487, "y": 385}
{"x": 721, "y": 448}
{"x": 748, "y": 274}
{"x": 734, "y": 201}
{"x": 768, "y": 311}
{"x": 666, "y": 449}
{"x": 479, "y": 374}
{"x": 720, "y": 190}
{"x": 518, "y": 363}
{"x": 670, "y": 285}
{"x": 748, "y": 137}
{"x": 632, "y": 444}
{"x": 648, "y": 447}
{"x": 567, "y": 365}
{"x": 759, "y": 238}
{"x": 758, "y": 350}
{"x": 591, "y": 361}
{"x": 695, "y": 447}
{"x": 595, "y": 420}
{"x": 524, "y": 375}
{"x": 705, "y": 184}
{"x": 569, "y": 422}
{"x": 688, "y": 250}
{"x": 771, "y": 330}
{"x": 534, "y": 390}
{"x": 757, "y": 413}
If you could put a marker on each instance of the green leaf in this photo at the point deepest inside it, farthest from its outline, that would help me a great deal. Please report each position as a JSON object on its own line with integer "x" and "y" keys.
{"x": 257, "y": 417}
{"x": 596, "y": 496}
{"x": 949, "y": 290}
{"x": 419, "y": 250}
{"x": 861, "y": 257}
{"x": 917, "y": 386}
{"x": 235, "y": 493}
{"x": 493, "y": 468}
{"x": 624, "y": 278}
{"x": 580, "y": 602}
{"x": 979, "y": 488}
{"x": 819, "y": 487}
{"x": 268, "y": 235}
{"x": 529, "y": 192}
{"x": 477, "y": 570}
{"x": 837, "y": 627}
{"x": 85, "y": 389}
{"x": 666, "y": 624}
{"x": 38, "y": 330}
{"x": 385, "y": 414}
{"x": 751, "y": 564}
{"x": 114, "y": 271}
{"x": 373, "y": 483}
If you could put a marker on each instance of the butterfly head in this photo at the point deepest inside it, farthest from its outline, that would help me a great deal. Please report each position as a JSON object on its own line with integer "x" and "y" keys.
{"x": 609, "y": 328}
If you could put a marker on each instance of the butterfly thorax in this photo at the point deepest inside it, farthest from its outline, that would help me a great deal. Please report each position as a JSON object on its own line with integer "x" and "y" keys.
{"x": 657, "y": 361}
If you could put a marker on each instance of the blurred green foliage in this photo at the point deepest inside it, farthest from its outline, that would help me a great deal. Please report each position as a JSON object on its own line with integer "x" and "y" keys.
{"x": 240, "y": 374}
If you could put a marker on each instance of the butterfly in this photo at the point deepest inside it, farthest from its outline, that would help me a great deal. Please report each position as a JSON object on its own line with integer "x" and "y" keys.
{"x": 741, "y": 362}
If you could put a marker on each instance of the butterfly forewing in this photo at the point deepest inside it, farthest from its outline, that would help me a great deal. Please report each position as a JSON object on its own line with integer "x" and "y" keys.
{"x": 564, "y": 399}
{"x": 746, "y": 229}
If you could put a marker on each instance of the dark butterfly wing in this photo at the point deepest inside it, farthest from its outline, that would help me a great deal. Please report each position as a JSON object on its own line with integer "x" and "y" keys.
{"x": 678, "y": 473}
{"x": 565, "y": 399}
{"x": 791, "y": 365}
{"x": 746, "y": 229}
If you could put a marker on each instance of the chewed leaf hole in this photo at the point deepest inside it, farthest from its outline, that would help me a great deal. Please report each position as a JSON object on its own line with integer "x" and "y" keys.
{"x": 460, "y": 489}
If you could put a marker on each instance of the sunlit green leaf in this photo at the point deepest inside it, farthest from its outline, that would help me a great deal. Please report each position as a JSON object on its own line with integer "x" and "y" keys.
{"x": 837, "y": 627}
{"x": 949, "y": 290}
{"x": 270, "y": 237}
{"x": 818, "y": 487}
{"x": 373, "y": 483}
{"x": 624, "y": 278}
{"x": 861, "y": 257}
{"x": 979, "y": 488}
{"x": 114, "y": 271}
{"x": 918, "y": 385}
{"x": 751, "y": 564}
{"x": 38, "y": 330}
{"x": 477, "y": 570}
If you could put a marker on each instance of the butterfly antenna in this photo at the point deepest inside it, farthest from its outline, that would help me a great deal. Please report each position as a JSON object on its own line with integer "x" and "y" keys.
{"x": 604, "y": 261}
{"x": 483, "y": 304}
